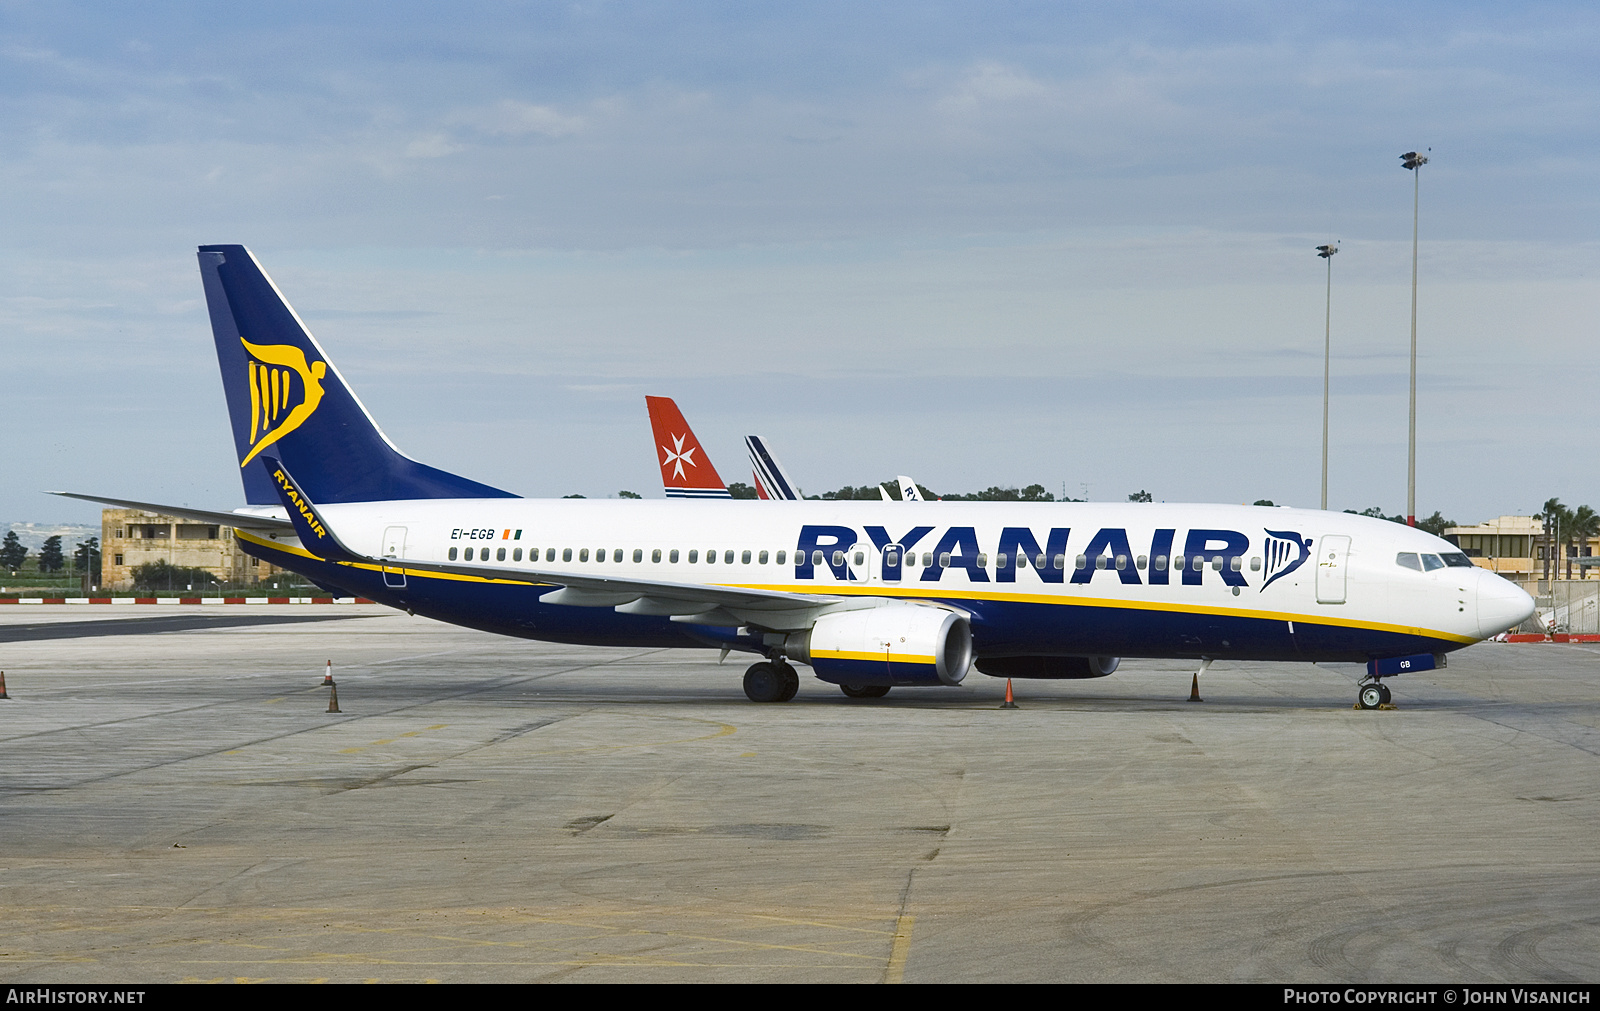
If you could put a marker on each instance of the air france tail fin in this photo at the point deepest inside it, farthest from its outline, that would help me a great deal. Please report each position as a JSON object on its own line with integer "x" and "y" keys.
{"x": 686, "y": 471}
{"x": 283, "y": 392}
{"x": 772, "y": 481}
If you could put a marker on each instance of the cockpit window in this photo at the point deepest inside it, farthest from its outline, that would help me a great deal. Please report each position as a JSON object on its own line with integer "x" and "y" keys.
{"x": 1431, "y": 562}
{"x": 1409, "y": 559}
{"x": 1457, "y": 560}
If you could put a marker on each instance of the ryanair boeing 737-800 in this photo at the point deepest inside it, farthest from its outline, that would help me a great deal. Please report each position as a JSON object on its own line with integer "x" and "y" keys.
{"x": 868, "y": 594}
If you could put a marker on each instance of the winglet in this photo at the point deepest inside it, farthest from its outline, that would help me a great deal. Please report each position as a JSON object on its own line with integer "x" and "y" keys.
{"x": 686, "y": 472}
{"x": 314, "y": 533}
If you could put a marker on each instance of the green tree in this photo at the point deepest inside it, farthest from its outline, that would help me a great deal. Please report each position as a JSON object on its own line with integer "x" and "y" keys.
{"x": 1435, "y": 524}
{"x": 50, "y": 557}
{"x": 1143, "y": 496}
{"x": 573, "y": 496}
{"x": 161, "y": 575}
{"x": 12, "y": 553}
{"x": 87, "y": 558}
{"x": 1264, "y": 502}
{"x": 629, "y": 494}
{"x": 739, "y": 489}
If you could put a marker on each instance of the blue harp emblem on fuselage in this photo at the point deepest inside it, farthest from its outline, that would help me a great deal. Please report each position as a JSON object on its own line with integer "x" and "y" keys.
{"x": 1284, "y": 552}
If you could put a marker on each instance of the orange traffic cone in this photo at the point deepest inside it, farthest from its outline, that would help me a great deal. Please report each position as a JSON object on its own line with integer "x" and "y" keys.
{"x": 1194, "y": 690}
{"x": 3, "y": 694}
{"x": 333, "y": 701}
{"x": 1009, "y": 703}
{"x": 327, "y": 679}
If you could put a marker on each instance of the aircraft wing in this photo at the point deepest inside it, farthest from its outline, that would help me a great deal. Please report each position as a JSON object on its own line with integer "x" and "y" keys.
{"x": 254, "y": 520}
{"x": 697, "y": 604}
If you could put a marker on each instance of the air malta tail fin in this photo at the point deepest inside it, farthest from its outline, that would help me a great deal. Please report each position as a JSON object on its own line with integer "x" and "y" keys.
{"x": 284, "y": 393}
{"x": 772, "y": 481}
{"x": 686, "y": 472}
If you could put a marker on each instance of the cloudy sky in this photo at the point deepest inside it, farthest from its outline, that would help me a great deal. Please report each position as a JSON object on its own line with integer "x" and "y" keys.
{"x": 978, "y": 243}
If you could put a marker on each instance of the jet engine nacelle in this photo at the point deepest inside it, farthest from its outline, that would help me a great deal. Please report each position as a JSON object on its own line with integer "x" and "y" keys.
{"x": 1056, "y": 667}
{"x": 894, "y": 643}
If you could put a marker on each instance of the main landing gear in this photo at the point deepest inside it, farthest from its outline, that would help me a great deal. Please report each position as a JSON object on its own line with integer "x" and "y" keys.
{"x": 865, "y": 691}
{"x": 771, "y": 681}
{"x": 1373, "y": 694}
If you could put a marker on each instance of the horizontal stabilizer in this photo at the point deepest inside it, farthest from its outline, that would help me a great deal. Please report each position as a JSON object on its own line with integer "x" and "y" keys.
{"x": 243, "y": 521}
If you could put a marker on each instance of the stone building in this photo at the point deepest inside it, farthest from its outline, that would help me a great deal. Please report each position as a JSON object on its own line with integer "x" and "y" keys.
{"x": 131, "y": 537}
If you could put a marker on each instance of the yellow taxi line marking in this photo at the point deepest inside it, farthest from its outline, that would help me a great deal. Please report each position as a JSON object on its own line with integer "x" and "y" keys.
{"x": 902, "y": 947}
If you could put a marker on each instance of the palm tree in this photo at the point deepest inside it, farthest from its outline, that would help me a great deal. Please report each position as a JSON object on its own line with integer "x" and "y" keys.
{"x": 1585, "y": 524}
{"x": 1555, "y": 516}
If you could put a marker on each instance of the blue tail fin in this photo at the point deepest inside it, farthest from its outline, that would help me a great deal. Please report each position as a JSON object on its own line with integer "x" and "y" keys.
{"x": 283, "y": 392}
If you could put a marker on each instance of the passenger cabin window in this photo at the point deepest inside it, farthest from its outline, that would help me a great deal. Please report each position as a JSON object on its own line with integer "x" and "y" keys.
{"x": 616, "y": 555}
{"x": 711, "y": 557}
{"x": 1061, "y": 562}
{"x": 452, "y": 554}
{"x": 674, "y": 556}
{"x": 1255, "y": 564}
{"x": 694, "y": 556}
{"x": 1122, "y": 562}
{"x": 638, "y": 555}
{"x": 927, "y": 559}
{"x": 727, "y": 557}
{"x": 655, "y": 556}
{"x": 1236, "y": 563}
{"x": 516, "y": 555}
{"x": 1083, "y": 562}
{"x": 566, "y": 554}
{"x": 745, "y": 558}
{"x": 500, "y": 555}
{"x": 549, "y": 554}
{"x": 762, "y": 558}
{"x": 779, "y": 559}
{"x": 838, "y": 557}
{"x": 583, "y": 554}
{"x": 1161, "y": 563}
{"x": 816, "y": 557}
{"x": 1139, "y": 563}
{"x": 944, "y": 559}
{"x": 1408, "y": 560}
{"x": 861, "y": 559}
{"x": 1099, "y": 561}
{"x": 1000, "y": 560}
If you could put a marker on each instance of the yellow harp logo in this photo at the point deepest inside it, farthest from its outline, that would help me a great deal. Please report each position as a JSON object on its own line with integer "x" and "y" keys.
{"x": 273, "y": 371}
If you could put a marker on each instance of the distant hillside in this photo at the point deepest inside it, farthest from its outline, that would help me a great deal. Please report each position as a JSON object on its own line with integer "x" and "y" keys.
{"x": 33, "y": 535}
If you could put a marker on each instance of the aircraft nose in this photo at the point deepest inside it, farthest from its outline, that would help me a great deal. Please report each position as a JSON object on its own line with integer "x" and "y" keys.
{"x": 1502, "y": 605}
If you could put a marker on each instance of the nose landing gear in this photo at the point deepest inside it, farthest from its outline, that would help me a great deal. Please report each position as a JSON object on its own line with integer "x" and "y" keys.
{"x": 1372, "y": 695}
{"x": 771, "y": 681}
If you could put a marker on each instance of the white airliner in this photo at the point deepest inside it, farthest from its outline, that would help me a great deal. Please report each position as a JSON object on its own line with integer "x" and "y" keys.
{"x": 868, "y": 594}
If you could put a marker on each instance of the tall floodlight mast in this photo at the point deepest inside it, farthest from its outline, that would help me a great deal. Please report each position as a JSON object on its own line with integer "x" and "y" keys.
{"x": 1326, "y": 252}
{"x": 1413, "y": 161}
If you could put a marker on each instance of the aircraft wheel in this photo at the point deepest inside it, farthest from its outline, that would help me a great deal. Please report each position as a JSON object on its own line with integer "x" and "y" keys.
{"x": 865, "y": 691}
{"x": 1384, "y": 689}
{"x": 791, "y": 681}
{"x": 1371, "y": 696}
{"x": 764, "y": 683}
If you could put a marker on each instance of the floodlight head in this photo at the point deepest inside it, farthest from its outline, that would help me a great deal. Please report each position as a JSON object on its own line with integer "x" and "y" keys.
{"x": 1326, "y": 251}
{"x": 1412, "y": 160}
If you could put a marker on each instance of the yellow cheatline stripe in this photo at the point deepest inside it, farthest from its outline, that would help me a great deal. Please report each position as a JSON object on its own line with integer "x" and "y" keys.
{"x": 913, "y": 593}
{"x": 842, "y": 654}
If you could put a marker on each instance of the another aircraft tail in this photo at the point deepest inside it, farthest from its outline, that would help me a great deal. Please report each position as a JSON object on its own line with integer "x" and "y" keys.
{"x": 772, "y": 481}
{"x": 285, "y": 393}
{"x": 686, "y": 471}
